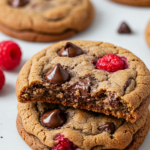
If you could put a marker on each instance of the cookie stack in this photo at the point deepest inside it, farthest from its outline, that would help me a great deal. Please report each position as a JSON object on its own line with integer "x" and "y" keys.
{"x": 83, "y": 95}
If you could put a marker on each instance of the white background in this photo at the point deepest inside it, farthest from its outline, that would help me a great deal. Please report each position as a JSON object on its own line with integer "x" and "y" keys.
{"x": 109, "y": 15}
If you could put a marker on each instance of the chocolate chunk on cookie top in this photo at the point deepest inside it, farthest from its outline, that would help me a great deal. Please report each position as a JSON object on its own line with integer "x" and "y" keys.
{"x": 18, "y": 3}
{"x": 70, "y": 50}
{"x": 81, "y": 88}
{"x": 98, "y": 76}
{"x": 57, "y": 75}
{"x": 108, "y": 127}
{"x": 54, "y": 119}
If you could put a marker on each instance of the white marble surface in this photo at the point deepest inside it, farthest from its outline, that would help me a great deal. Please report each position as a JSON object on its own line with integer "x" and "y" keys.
{"x": 109, "y": 15}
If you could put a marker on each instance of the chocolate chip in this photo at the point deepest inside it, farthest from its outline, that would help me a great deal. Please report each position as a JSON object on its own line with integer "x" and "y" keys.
{"x": 70, "y": 50}
{"x": 54, "y": 119}
{"x": 18, "y": 3}
{"x": 108, "y": 127}
{"x": 57, "y": 75}
{"x": 83, "y": 86}
{"x": 113, "y": 101}
{"x": 127, "y": 84}
{"x": 124, "y": 28}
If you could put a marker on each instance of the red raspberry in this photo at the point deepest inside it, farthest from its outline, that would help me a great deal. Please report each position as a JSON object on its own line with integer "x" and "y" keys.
{"x": 64, "y": 144}
{"x": 10, "y": 55}
{"x": 110, "y": 63}
{"x": 2, "y": 79}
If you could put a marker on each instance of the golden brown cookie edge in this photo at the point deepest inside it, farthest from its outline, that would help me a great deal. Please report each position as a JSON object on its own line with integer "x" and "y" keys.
{"x": 31, "y": 140}
{"x": 132, "y": 3}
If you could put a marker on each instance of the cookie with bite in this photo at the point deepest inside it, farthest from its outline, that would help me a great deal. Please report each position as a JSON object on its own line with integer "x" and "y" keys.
{"x": 94, "y": 76}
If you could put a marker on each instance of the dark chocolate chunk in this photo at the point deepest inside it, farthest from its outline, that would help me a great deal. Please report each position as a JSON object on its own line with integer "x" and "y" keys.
{"x": 113, "y": 101}
{"x": 57, "y": 75}
{"x": 54, "y": 119}
{"x": 108, "y": 127}
{"x": 124, "y": 28}
{"x": 83, "y": 86}
{"x": 127, "y": 84}
{"x": 70, "y": 50}
{"x": 18, "y": 3}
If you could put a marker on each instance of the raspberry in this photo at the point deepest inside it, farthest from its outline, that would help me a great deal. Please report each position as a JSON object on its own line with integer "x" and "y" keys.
{"x": 111, "y": 63}
{"x": 10, "y": 55}
{"x": 63, "y": 144}
{"x": 2, "y": 79}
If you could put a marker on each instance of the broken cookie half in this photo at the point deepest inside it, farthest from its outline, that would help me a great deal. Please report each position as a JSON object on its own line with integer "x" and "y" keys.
{"x": 94, "y": 76}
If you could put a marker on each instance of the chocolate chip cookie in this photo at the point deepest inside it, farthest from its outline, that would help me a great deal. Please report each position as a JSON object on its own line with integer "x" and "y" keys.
{"x": 44, "y": 20}
{"x": 45, "y": 126}
{"x": 147, "y": 33}
{"x": 87, "y": 75}
{"x": 134, "y": 2}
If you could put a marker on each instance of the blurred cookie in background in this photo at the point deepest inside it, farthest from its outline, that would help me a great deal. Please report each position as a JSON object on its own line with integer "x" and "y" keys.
{"x": 134, "y": 2}
{"x": 147, "y": 33}
{"x": 44, "y": 21}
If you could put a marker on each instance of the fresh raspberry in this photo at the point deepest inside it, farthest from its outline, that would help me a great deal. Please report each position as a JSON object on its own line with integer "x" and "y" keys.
{"x": 10, "y": 55}
{"x": 111, "y": 63}
{"x": 2, "y": 79}
{"x": 63, "y": 144}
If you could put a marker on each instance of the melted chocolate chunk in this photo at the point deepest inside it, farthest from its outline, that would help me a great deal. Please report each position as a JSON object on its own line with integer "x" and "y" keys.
{"x": 127, "y": 84}
{"x": 18, "y": 3}
{"x": 108, "y": 127}
{"x": 70, "y": 50}
{"x": 113, "y": 101}
{"x": 124, "y": 28}
{"x": 83, "y": 86}
{"x": 57, "y": 75}
{"x": 54, "y": 119}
